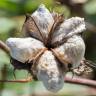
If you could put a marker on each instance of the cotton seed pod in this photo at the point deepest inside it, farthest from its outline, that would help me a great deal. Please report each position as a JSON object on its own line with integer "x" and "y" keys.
{"x": 24, "y": 49}
{"x": 39, "y": 24}
{"x": 61, "y": 39}
{"x": 68, "y": 28}
{"x": 49, "y": 72}
{"x": 72, "y": 51}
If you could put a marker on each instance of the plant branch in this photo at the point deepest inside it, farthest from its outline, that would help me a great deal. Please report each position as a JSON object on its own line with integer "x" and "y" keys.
{"x": 80, "y": 81}
{"x": 4, "y": 47}
{"x": 74, "y": 80}
{"x": 18, "y": 81}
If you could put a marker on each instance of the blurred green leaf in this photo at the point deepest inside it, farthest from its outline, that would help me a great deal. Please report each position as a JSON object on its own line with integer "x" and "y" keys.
{"x": 6, "y": 25}
{"x": 3, "y": 58}
{"x": 19, "y": 7}
{"x": 62, "y": 9}
{"x": 31, "y": 5}
{"x": 90, "y": 7}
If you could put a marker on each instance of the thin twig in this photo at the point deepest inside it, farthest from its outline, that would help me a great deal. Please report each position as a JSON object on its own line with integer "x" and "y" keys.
{"x": 80, "y": 81}
{"x": 74, "y": 80}
{"x": 18, "y": 81}
{"x": 4, "y": 47}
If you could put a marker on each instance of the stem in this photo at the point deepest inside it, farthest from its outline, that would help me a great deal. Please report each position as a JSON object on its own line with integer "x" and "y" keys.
{"x": 74, "y": 80}
{"x": 18, "y": 81}
{"x": 80, "y": 81}
{"x": 4, "y": 47}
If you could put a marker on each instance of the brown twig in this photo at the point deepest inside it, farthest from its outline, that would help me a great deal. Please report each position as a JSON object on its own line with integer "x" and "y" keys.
{"x": 74, "y": 80}
{"x": 18, "y": 81}
{"x": 4, "y": 47}
{"x": 81, "y": 81}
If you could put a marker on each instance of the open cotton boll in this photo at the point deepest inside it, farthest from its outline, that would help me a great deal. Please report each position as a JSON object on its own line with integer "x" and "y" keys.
{"x": 68, "y": 28}
{"x": 44, "y": 20}
{"x": 24, "y": 49}
{"x": 38, "y": 24}
{"x": 49, "y": 73}
{"x": 72, "y": 51}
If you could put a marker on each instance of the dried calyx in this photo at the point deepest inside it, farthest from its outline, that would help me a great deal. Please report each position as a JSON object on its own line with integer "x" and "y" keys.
{"x": 51, "y": 46}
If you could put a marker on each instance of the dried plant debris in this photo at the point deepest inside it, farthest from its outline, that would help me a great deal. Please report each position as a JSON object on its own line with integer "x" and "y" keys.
{"x": 50, "y": 45}
{"x": 84, "y": 71}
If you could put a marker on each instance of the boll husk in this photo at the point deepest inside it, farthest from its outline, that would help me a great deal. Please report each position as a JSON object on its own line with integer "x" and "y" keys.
{"x": 61, "y": 38}
{"x": 49, "y": 72}
{"x": 24, "y": 49}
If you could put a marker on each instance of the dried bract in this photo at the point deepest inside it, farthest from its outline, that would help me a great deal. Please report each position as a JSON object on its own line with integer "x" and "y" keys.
{"x": 39, "y": 23}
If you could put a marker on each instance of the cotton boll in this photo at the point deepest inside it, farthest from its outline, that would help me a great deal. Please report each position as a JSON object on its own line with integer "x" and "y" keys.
{"x": 49, "y": 72}
{"x": 54, "y": 44}
{"x": 72, "y": 51}
{"x": 44, "y": 20}
{"x": 38, "y": 24}
{"x": 68, "y": 28}
{"x": 24, "y": 49}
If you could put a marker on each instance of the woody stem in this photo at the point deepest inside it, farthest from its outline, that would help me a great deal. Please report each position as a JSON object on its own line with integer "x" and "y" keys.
{"x": 75, "y": 80}
{"x": 4, "y": 47}
{"x": 18, "y": 81}
{"x": 81, "y": 81}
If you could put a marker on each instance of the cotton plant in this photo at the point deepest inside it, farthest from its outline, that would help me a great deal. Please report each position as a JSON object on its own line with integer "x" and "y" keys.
{"x": 50, "y": 48}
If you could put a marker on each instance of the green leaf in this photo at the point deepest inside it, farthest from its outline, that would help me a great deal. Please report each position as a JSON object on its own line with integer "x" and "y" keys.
{"x": 62, "y": 10}
{"x": 6, "y": 25}
{"x": 90, "y": 7}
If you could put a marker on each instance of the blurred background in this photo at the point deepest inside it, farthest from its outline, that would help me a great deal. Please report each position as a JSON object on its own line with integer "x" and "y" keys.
{"x": 12, "y": 16}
